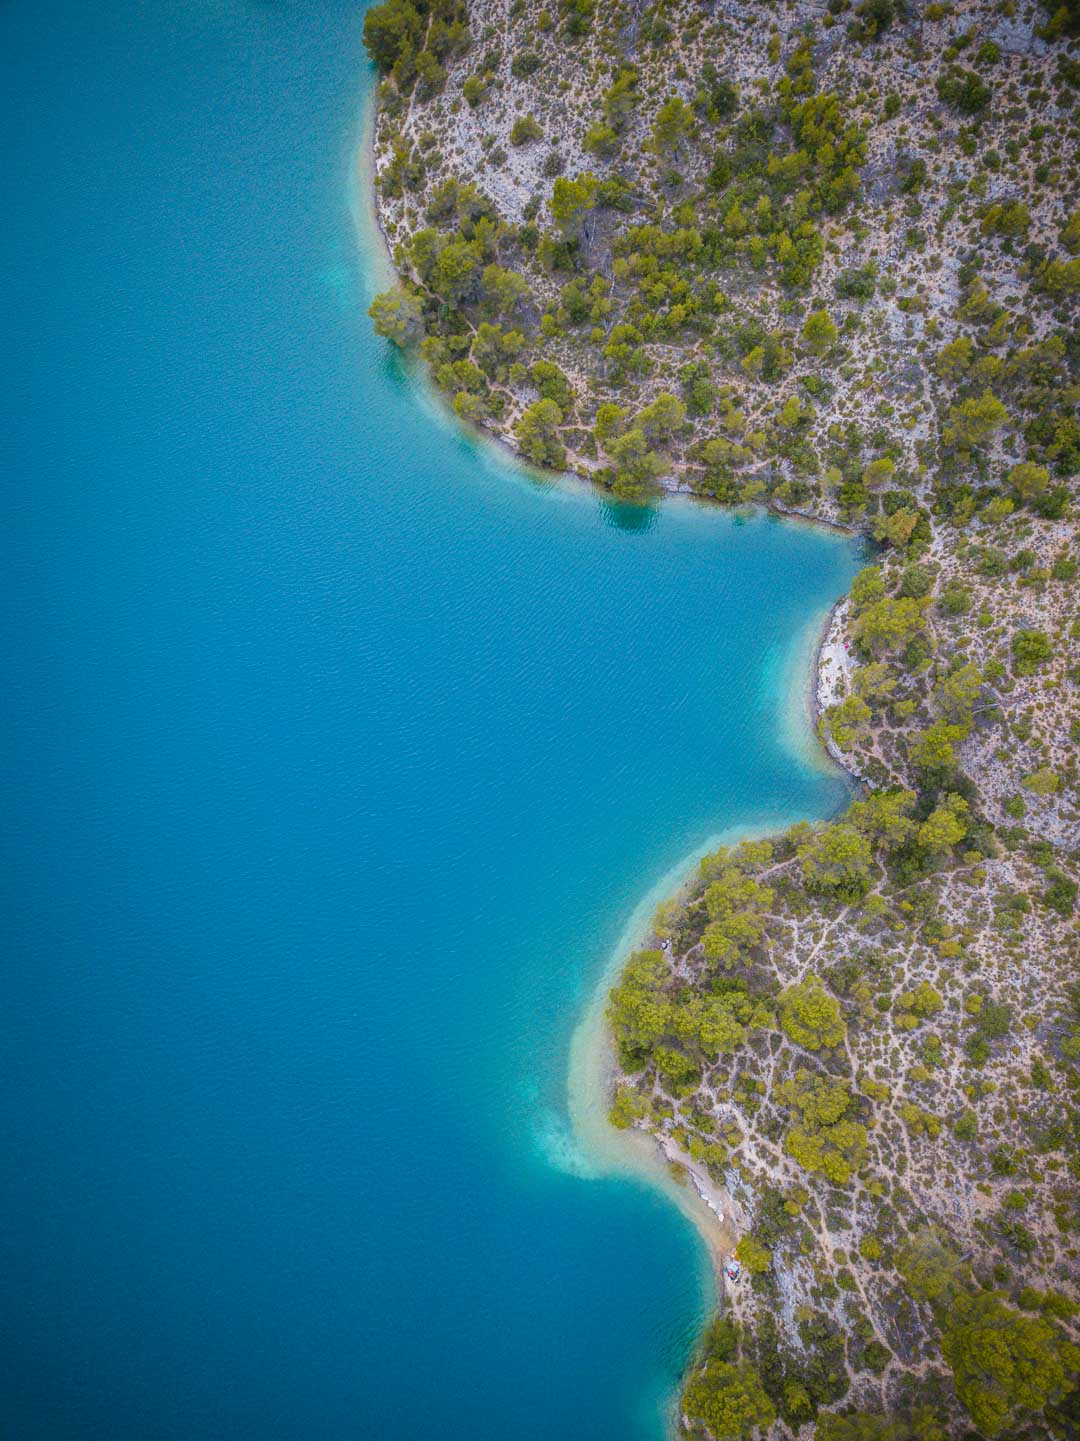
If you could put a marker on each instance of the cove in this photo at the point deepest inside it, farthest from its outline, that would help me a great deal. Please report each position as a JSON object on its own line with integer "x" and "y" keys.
{"x": 338, "y": 755}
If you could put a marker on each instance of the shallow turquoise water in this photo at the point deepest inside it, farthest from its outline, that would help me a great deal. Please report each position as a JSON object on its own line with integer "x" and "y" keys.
{"x": 336, "y": 758}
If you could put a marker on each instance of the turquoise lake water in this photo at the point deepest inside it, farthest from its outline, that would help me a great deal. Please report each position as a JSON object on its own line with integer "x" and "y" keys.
{"x": 336, "y": 757}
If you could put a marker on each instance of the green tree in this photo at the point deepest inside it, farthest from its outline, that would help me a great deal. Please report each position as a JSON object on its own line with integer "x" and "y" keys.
{"x": 674, "y": 121}
{"x": 848, "y": 721}
{"x": 610, "y": 422}
{"x": 456, "y": 270}
{"x": 1007, "y": 218}
{"x": 524, "y": 129}
{"x": 931, "y": 1269}
{"x": 820, "y": 1100}
{"x": 662, "y": 419}
{"x": 957, "y": 693}
{"x": 874, "y": 683}
{"x": 835, "y": 1152}
{"x": 1043, "y": 782}
{"x": 955, "y": 358}
{"x": 1030, "y": 481}
{"x": 1031, "y": 649}
{"x": 572, "y": 201}
{"x": 888, "y": 624}
{"x": 897, "y": 527}
{"x": 921, "y": 1424}
{"x": 975, "y": 420}
{"x": 836, "y": 860}
{"x": 1002, "y": 1361}
{"x": 1070, "y": 235}
{"x": 637, "y": 468}
{"x": 934, "y": 748}
{"x": 503, "y": 291}
{"x": 810, "y": 1016}
{"x": 621, "y": 98}
{"x": 601, "y": 140}
{"x": 884, "y": 817}
{"x": 729, "y": 1399}
{"x": 537, "y": 433}
{"x": 819, "y": 333}
{"x": 389, "y": 29}
{"x": 867, "y": 587}
{"x": 737, "y": 905}
{"x": 946, "y": 825}
{"x": 921, "y": 1002}
{"x": 754, "y": 1256}
{"x": 553, "y": 384}
{"x": 638, "y": 1008}
{"x": 397, "y": 315}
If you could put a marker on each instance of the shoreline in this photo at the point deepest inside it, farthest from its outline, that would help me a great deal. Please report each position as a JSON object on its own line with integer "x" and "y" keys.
{"x": 634, "y": 1154}
{"x": 592, "y": 1064}
{"x": 368, "y": 225}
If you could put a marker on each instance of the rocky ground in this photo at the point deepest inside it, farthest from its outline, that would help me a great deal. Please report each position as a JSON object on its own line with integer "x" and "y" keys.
{"x": 827, "y": 259}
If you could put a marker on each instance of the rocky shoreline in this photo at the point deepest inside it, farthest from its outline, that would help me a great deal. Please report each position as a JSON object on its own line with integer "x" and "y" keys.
{"x": 825, "y": 262}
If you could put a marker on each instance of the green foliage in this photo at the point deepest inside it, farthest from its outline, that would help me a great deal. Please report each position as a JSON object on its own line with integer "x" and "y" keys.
{"x": 553, "y": 384}
{"x": 637, "y": 469}
{"x": 754, "y": 1256}
{"x": 920, "y": 1003}
{"x": 820, "y": 1100}
{"x": 884, "y": 817}
{"x": 524, "y": 64}
{"x": 1008, "y": 218}
{"x": 456, "y": 271}
{"x": 1061, "y": 892}
{"x": 572, "y": 201}
{"x": 1043, "y": 782}
{"x": 502, "y": 291}
{"x": 736, "y": 904}
{"x": 934, "y": 750}
{"x": 1059, "y": 277}
{"x": 524, "y": 129}
{"x": 834, "y": 1152}
{"x": 836, "y": 861}
{"x": 674, "y": 122}
{"x": 394, "y": 31}
{"x": 728, "y": 1398}
{"x": 957, "y": 693}
{"x": 662, "y": 419}
{"x": 810, "y": 1016}
{"x": 621, "y": 98}
{"x": 397, "y": 315}
{"x": 638, "y": 1008}
{"x": 626, "y": 1108}
{"x": 946, "y": 825}
{"x": 921, "y": 1424}
{"x": 931, "y": 1269}
{"x": 890, "y": 623}
{"x": 867, "y": 587}
{"x": 875, "y": 682}
{"x": 848, "y": 721}
{"x": 1004, "y": 1362}
{"x": 1030, "y": 481}
{"x": 964, "y": 90}
{"x": 973, "y": 421}
{"x": 537, "y": 434}
{"x": 1031, "y": 649}
{"x": 601, "y": 140}
{"x": 857, "y": 284}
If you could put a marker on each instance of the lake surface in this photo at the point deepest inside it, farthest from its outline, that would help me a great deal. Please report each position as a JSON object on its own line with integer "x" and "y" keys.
{"x": 336, "y": 756}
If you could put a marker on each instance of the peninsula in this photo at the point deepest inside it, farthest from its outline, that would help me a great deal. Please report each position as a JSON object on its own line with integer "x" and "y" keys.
{"x": 824, "y": 258}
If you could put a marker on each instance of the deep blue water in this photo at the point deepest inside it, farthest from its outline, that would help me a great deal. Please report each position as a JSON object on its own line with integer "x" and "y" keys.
{"x": 335, "y": 758}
